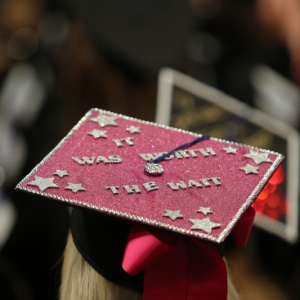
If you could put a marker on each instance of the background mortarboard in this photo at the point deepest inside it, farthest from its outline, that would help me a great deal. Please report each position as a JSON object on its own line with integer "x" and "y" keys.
{"x": 186, "y": 103}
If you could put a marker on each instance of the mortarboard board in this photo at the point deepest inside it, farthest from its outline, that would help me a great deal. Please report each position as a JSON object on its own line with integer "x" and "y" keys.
{"x": 203, "y": 194}
{"x": 186, "y": 103}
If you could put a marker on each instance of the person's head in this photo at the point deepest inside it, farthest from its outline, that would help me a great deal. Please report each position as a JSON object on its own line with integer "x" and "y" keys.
{"x": 93, "y": 266}
{"x": 81, "y": 281}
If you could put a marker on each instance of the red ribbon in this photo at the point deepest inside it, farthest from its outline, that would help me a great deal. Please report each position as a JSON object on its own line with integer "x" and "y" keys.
{"x": 180, "y": 267}
{"x": 242, "y": 229}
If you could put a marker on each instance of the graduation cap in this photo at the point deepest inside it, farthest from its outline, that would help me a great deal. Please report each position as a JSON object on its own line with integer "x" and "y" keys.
{"x": 167, "y": 222}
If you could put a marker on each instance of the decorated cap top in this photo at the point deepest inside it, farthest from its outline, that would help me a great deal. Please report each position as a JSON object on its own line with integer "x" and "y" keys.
{"x": 203, "y": 191}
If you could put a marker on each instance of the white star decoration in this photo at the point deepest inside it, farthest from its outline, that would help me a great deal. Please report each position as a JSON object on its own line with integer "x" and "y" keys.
{"x": 104, "y": 120}
{"x": 205, "y": 210}
{"x": 61, "y": 173}
{"x": 173, "y": 214}
{"x": 43, "y": 183}
{"x": 75, "y": 187}
{"x": 230, "y": 150}
{"x": 205, "y": 224}
{"x": 258, "y": 158}
{"x": 133, "y": 129}
{"x": 248, "y": 169}
{"x": 98, "y": 134}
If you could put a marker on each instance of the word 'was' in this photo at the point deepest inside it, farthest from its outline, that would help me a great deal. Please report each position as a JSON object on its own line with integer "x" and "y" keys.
{"x": 112, "y": 159}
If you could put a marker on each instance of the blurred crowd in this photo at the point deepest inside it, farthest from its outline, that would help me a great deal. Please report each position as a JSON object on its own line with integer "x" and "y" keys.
{"x": 58, "y": 59}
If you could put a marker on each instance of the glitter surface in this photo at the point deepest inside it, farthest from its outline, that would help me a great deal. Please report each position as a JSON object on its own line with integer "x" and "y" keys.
{"x": 115, "y": 182}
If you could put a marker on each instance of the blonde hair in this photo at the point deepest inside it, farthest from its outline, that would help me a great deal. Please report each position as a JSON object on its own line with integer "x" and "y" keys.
{"x": 81, "y": 282}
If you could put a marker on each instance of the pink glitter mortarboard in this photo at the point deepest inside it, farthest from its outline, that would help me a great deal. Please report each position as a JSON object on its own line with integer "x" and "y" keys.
{"x": 203, "y": 191}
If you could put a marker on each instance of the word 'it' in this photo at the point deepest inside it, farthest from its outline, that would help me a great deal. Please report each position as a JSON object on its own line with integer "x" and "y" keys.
{"x": 180, "y": 154}
{"x": 127, "y": 140}
{"x": 151, "y": 186}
